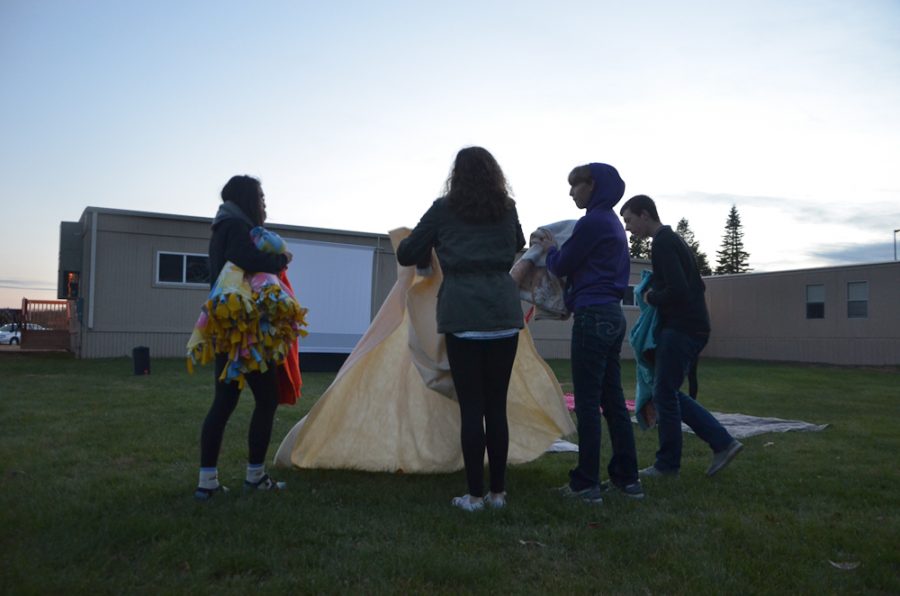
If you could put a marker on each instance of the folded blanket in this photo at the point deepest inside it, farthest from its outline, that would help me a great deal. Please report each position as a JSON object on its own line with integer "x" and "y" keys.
{"x": 536, "y": 284}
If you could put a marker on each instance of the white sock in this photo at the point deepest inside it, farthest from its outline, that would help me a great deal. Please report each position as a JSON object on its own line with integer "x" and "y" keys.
{"x": 209, "y": 478}
{"x": 255, "y": 472}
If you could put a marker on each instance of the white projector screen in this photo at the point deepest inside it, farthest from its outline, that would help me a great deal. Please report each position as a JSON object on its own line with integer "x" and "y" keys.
{"x": 334, "y": 281}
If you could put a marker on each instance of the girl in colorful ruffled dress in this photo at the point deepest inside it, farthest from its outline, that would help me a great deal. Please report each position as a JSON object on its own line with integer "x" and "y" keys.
{"x": 243, "y": 208}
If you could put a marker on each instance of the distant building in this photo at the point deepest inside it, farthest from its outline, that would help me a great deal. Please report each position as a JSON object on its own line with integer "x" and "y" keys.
{"x": 848, "y": 314}
{"x": 138, "y": 279}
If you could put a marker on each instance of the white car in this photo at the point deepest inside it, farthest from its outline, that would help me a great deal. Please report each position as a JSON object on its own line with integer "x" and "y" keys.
{"x": 11, "y": 334}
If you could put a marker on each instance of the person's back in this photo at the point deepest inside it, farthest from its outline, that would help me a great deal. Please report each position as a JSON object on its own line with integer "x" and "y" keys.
{"x": 678, "y": 291}
{"x": 474, "y": 230}
{"x": 477, "y": 293}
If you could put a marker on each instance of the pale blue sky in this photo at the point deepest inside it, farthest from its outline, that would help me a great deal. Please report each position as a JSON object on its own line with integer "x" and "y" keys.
{"x": 351, "y": 113}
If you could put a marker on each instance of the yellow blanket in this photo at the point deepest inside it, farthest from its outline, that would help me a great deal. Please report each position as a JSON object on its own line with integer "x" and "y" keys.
{"x": 379, "y": 414}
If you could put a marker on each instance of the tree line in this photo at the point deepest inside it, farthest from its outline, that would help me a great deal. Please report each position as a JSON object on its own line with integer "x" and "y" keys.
{"x": 730, "y": 258}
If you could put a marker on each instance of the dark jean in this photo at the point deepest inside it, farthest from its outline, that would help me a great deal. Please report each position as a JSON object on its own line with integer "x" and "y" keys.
{"x": 597, "y": 335}
{"x": 675, "y": 353}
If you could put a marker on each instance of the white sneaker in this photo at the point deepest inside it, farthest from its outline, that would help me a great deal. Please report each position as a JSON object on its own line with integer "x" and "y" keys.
{"x": 466, "y": 503}
{"x": 205, "y": 494}
{"x": 495, "y": 502}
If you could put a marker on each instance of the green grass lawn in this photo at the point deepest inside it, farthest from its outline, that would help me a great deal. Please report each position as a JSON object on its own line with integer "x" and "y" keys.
{"x": 98, "y": 468}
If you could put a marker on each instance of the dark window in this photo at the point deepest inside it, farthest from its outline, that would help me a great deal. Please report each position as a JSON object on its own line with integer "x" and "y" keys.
{"x": 171, "y": 268}
{"x": 858, "y": 300}
{"x": 815, "y": 302}
{"x": 197, "y": 270}
{"x": 182, "y": 268}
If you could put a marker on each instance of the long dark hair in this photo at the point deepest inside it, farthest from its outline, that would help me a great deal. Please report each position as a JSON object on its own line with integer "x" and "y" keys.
{"x": 476, "y": 189}
{"x": 243, "y": 191}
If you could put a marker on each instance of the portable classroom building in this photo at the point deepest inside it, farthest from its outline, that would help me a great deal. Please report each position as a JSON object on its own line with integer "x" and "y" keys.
{"x": 139, "y": 279}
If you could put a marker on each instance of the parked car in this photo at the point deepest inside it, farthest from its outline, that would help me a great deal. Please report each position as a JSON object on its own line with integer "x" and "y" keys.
{"x": 11, "y": 332}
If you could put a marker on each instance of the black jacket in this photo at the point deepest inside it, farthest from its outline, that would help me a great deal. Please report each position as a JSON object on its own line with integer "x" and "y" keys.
{"x": 677, "y": 290}
{"x": 477, "y": 293}
{"x": 231, "y": 241}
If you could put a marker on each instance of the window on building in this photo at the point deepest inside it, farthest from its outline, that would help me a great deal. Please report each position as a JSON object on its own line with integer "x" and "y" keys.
{"x": 815, "y": 302}
{"x": 857, "y": 300}
{"x": 180, "y": 268}
{"x": 628, "y": 298}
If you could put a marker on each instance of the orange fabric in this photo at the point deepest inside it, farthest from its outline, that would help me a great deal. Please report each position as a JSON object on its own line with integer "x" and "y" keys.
{"x": 289, "y": 379}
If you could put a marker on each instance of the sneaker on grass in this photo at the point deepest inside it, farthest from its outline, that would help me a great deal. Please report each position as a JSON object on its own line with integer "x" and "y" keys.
{"x": 591, "y": 494}
{"x": 495, "y": 501}
{"x": 633, "y": 490}
{"x": 654, "y": 472}
{"x": 265, "y": 484}
{"x": 724, "y": 457}
{"x": 205, "y": 494}
{"x": 468, "y": 503}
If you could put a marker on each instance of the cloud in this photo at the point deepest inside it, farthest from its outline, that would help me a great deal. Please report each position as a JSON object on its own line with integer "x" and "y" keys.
{"x": 26, "y": 284}
{"x": 874, "y": 214}
{"x": 844, "y": 254}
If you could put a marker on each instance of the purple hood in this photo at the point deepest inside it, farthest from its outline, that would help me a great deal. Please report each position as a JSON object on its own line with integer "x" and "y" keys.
{"x": 609, "y": 188}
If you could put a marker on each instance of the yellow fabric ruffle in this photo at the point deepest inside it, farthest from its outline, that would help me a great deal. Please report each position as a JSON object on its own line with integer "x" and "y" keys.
{"x": 251, "y": 318}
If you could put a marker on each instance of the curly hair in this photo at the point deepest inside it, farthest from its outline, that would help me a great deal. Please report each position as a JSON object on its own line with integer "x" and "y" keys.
{"x": 476, "y": 189}
{"x": 243, "y": 191}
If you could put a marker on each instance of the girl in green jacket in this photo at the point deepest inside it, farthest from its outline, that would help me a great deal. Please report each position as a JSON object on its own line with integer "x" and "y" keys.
{"x": 474, "y": 230}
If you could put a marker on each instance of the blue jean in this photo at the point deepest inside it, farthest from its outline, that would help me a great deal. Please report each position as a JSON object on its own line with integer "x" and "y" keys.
{"x": 675, "y": 352}
{"x": 597, "y": 335}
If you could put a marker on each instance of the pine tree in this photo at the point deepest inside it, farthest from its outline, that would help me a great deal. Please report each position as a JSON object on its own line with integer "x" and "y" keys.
{"x": 732, "y": 258}
{"x": 687, "y": 234}
{"x": 639, "y": 248}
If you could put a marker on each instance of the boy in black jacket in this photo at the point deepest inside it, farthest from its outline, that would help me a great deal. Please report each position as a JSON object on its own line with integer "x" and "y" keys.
{"x": 677, "y": 291}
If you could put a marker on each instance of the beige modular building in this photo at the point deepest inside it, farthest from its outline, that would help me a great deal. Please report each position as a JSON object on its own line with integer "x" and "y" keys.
{"x": 848, "y": 314}
{"x": 138, "y": 279}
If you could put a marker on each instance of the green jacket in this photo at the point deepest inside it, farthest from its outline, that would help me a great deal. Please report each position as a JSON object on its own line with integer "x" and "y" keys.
{"x": 477, "y": 293}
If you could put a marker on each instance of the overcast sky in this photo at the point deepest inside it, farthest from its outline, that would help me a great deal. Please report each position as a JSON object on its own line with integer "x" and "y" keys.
{"x": 351, "y": 114}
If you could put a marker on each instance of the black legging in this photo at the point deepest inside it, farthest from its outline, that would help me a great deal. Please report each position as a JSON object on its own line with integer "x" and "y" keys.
{"x": 481, "y": 369}
{"x": 265, "y": 391}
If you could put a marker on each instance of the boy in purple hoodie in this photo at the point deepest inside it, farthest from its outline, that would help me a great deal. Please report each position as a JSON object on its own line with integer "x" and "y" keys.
{"x": 595, "y": 263}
